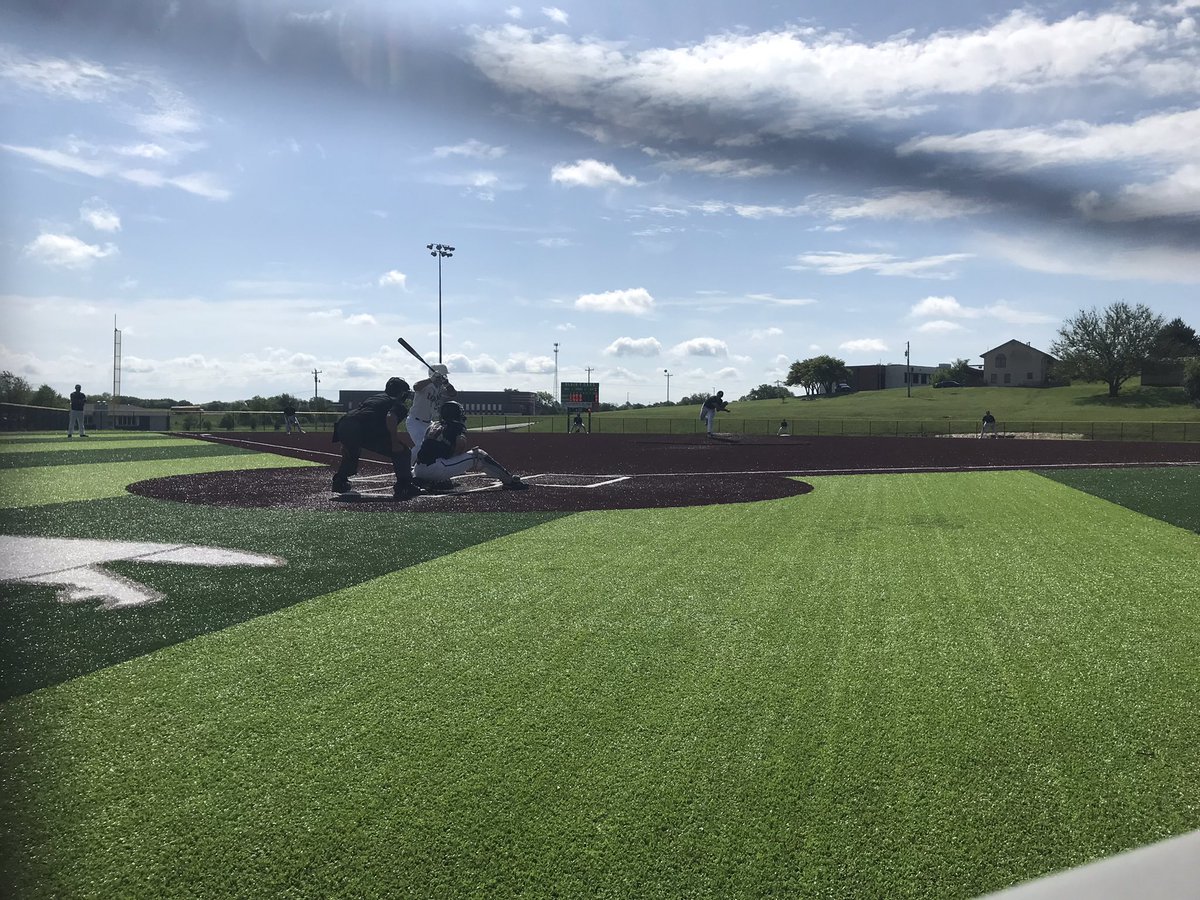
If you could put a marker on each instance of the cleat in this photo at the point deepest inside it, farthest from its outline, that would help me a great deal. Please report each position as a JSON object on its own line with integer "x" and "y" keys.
{"x": 341, "y": 486}
{"x": 406, "y": 491}
{"x": 516, "y": 484}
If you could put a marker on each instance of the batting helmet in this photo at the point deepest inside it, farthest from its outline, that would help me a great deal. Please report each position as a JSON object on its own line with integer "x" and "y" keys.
{"x": 396, "y": 387}
{"x": 452, "y": 411}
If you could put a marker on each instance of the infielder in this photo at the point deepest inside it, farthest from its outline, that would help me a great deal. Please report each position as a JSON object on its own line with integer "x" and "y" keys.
{"x": 375, "y": 426}
{"x": 428, "y": 397}
{"x": 713, "y": 405}
{"x": 75, "y": 417}
{"x": 444, "y": 454}
{"x": 989, "y": 424}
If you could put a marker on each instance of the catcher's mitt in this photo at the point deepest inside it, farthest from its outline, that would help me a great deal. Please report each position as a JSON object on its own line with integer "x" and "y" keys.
{"x": 723, "y": 407}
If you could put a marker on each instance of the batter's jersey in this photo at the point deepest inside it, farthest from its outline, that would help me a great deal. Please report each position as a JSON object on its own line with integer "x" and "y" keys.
{"x": 427, "y": 401}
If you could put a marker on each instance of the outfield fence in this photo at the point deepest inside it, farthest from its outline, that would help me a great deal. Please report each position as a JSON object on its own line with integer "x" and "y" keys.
{"x": 16, "y": 417}
{"x": 1023, "y": 428}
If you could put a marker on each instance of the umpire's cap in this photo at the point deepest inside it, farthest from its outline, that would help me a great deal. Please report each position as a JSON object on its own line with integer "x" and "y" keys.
{"x": 396, "y": 387}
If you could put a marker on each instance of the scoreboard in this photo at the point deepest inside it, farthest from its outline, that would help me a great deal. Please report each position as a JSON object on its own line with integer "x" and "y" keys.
{"x": 580, "y": 395}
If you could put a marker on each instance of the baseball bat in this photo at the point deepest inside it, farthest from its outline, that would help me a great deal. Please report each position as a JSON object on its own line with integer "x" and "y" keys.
{"x": 409, "y": 347}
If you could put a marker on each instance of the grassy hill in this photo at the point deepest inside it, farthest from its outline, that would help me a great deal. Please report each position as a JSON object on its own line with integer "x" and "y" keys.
{"x": 1152, "y": 413}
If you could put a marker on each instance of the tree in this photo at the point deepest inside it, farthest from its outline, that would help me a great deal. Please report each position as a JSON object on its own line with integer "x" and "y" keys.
{"x": 48, "y": 396}
{"x": 768, "y": 392}
{"x": 545, "y": 402}
{"x": 1191, "y": 380}
{"x": 689, "y": 400}
{"x": 14, "y": 388}
{"x": 1108, "y": 346}
{"x": 1175, "y": 340}
{"x": 818, "y": 374}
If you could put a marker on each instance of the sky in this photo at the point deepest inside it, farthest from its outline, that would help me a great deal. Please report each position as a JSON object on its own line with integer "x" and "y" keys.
{"x": 667, "y": 198}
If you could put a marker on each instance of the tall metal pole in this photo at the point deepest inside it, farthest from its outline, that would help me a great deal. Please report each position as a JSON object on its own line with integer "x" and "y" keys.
{"x": 668, "y": 374}
{"x": 908, "y": 360}
{"x": 555, "y": 397}
{"x": 440, "y": 251}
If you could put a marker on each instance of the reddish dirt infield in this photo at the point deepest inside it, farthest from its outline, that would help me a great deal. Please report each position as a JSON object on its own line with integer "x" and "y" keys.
{"x": 636, "y": 471}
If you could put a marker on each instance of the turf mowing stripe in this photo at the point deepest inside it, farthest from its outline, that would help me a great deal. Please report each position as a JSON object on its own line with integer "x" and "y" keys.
{"x": 900, "y": 686}
{"x": 1170, "y": 494}
{"x": 62, "y": 484}
{"x": 60, "y": 437}
{"x": 99, "y": 442}
{"x": 115, "y": 454}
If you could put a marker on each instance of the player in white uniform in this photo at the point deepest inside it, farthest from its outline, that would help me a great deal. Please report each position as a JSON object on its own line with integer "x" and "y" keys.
{"x": 444, "y": 454}
{"x": 428, "y": 397}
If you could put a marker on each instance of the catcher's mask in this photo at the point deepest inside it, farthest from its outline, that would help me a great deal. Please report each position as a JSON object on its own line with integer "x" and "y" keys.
{"x": 397, "y": 387}
{"x": 452, "y": 411}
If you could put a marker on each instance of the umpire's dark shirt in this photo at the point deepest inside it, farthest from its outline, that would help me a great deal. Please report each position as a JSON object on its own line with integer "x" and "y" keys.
{"x": 78, "y": 398}
{"x": 371, "y": 416}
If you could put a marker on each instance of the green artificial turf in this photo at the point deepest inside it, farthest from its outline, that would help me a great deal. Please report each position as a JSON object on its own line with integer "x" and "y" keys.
{"x": 893, "y": 686}
{"x": 13, "y": 445}
{"x": 44, "y": 642}
{"x": 118, "y": 453}
{"x": 43, "y": 485}
{"x": 1170, "y": 493}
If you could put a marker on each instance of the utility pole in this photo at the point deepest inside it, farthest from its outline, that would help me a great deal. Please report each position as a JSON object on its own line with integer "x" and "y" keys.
{"x": 555, "y": 397}
{"x": 589, "y": 370}
{"x": 908, "y": 361}
{"x": 316, "y": 381}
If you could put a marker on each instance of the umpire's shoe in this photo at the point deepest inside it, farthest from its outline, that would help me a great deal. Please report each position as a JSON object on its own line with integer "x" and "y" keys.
{"x": 340, "y": 485}
{"x": 516, "y": 484}
{"x": 406, "y": 491}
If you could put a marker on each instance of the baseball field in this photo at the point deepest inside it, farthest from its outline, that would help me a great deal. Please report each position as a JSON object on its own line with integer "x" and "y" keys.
{"x": 672, "y": 668}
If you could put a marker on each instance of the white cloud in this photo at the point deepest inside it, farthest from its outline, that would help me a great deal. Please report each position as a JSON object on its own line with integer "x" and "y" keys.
{"x": 66, "y": 251}
{"x": 781, "y": 301}
{"x": 944, "y": 307}
{"x": 472, "y": 149}
{"x": 99, "y": 215}
{"x": 701, "y": 346}
{"x": 75, "y": 79}
{"x": 514, "y": 12}
{"x": 939, "y": 326}
{"x": 393, "y": 278}
{"x": 627, "y": 346}
{"x": 917, "y": 205}
{"x": 1168, "y": 137}
{"x": 59, "y": 159}
{"x": 1061, "y": 255}
{"x": 590, "y": 173}
{"x": 530, "y": 365}
{"x": 716, "y": 166}
{"x": 554, "y": 14}
{"x": 837, "y": 262}
{"x": 804, "y": 76}
{"x": 566, "y": 326}
{"x": 759, "y": 334}
{"x": 361, "y": 319}
{"x": 750, "y": 211}
{"x": 941, "y": 309}
{"x": 864, "y": 345}
{"x": 555, "y": 243}
{"x": 636, "y": 301}
{"x": 1178, "y": 194}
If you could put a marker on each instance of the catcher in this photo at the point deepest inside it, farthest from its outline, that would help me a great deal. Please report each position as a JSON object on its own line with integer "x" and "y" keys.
{"x": 713, "y": 405}
{"x": 444, "y": 453}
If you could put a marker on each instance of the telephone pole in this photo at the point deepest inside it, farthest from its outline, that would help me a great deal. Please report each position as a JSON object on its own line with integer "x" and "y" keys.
{"x": 316, "y": 381}
{"x": 908, "y": 362}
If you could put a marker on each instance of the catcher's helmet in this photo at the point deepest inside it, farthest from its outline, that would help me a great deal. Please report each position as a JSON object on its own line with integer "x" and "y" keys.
{"x": 452, "y": 411}
{"x": 396, "y": 387}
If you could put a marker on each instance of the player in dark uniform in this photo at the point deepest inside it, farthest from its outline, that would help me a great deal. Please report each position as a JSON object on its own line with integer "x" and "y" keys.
{"x": 444, "y": 453}
{"x": 374, "y": 426}
{"x": 713, "y": 405}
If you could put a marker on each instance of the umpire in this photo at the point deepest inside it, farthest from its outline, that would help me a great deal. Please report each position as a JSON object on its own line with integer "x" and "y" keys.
{"x": 374, "y": 426}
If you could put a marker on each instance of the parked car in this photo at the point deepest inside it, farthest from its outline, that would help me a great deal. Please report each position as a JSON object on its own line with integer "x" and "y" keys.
{"x": 948, "y": 383}
{"x": 842, "y": 388}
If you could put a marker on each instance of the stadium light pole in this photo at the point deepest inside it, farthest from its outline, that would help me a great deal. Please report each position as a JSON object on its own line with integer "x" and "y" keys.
{"x": 668, "y": 374}
{"x": 441, "y": 251}
{"x": 554, "y": 398}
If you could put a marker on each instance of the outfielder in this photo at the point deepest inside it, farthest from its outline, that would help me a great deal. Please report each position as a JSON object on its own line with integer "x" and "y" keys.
{"x": 428, "y": 397}
{"x": 75, "y": 417}
{"x": 375, "y": 426}
{"x": 444, "y": 454}
{"x": 713, "y": 405}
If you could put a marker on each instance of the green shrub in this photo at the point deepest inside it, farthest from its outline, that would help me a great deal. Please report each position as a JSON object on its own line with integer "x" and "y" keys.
{"x": 1191, "y": 379}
